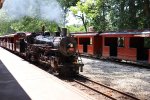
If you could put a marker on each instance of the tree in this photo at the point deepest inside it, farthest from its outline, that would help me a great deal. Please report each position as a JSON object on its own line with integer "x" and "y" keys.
{"x": 146, "y": 11}
{"x": 84, "y": 11}
{"x": 75, "y": 28}
{"x": 26, "y": 24}
{"x": 65, "y": 4}
{"x": 5, "y": 23}
{"x": 101, "y": 17}
{"x": 33, "y": 25}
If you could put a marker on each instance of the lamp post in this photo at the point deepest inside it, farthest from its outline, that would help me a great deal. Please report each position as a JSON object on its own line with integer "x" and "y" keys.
{"x": 1, "y": 3}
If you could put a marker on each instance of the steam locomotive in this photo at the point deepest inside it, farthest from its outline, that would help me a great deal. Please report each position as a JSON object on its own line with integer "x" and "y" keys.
{"x": 58, "y": 52}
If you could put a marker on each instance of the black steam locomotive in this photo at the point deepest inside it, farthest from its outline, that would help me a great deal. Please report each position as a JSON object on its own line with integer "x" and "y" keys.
{"x": 58, "y": 52}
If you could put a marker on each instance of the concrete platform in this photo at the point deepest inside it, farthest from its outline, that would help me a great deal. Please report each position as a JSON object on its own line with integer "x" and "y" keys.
{"x": 24, "y": 81}
{"x": 9, "y": 87}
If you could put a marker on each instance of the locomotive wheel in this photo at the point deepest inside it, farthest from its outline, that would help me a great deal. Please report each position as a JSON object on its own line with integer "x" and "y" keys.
{"x": 28, "y": 56}
{"x": 32, "y": 58}
{"x": 51, "y": 70}
{"x": 67, "y": 72}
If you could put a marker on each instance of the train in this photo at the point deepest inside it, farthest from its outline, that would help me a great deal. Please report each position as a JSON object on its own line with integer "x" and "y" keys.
{"x": 57, "y": 51}
{"x": 61, "y": 53}
{"x": 128, "y": 45}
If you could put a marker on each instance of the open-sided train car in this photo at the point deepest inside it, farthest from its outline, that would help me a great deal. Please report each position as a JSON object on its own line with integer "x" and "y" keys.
{"x": 132, "y": 46}
{"x": 89, "y": 43}
{"x": 12, "y": 41}
{"x": 129, "y": 45}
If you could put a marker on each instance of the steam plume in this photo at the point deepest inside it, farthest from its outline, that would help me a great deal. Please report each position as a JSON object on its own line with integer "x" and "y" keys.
{"x": 44, "y": 9}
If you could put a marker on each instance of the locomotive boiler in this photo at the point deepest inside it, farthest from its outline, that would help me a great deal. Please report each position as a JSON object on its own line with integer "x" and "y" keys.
{"x": 58, "y": 52}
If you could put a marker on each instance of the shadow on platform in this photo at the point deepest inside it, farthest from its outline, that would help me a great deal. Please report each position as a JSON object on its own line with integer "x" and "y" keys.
{"x": 9, "y": 87}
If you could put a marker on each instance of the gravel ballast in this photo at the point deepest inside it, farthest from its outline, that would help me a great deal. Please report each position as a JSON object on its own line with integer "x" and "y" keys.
{"x": 124, "y": 77}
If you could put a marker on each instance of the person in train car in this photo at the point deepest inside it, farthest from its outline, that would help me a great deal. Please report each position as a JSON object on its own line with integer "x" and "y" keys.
{"x": 121, "y": 42}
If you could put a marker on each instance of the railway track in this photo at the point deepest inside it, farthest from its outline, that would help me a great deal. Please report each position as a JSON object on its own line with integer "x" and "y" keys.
{"x": 98, "y": 90}
{"x": 115, "y": 60}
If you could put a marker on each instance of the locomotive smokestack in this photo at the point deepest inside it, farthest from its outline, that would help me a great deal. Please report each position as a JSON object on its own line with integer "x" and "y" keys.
{"x": 64, "y": 31}
{"x": 43, "y": 29}
{"x": 58, "y": 29}
{"x": 57, "y": 33}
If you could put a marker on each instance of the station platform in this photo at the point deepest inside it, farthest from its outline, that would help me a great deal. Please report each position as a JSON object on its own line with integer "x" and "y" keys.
{"x": 20, "y": 80}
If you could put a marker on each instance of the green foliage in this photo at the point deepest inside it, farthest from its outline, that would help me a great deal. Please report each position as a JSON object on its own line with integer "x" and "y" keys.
{"x": 33, "y": 25}
{"x": 84, "y": 10}
{"x": 67, "y": 3}
{"x": 5, "y": 28}
{"x": 104, "y": 15}
{"x": 121, "y": 14}
{"x": 27, "y": 24}
{"x": 83, "y": 7}
{"x": 75, "y": 28}
{"x": 4, "y": 23}
{"x": 113, "y": 15}
{"x": 147, "y": 43}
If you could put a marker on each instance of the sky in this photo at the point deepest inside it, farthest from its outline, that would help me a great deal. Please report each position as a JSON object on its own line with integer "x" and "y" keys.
{"x": 72, "y": 20}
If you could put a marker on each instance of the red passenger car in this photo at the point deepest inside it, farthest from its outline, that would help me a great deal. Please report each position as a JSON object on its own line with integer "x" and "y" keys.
{"x": 11, "y": 41}
{"x": 132, "y": 46}
{"x": 89, "y": 43}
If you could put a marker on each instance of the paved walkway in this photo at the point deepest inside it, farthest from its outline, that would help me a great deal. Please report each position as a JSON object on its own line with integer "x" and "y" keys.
{"x": 35, "y": 83}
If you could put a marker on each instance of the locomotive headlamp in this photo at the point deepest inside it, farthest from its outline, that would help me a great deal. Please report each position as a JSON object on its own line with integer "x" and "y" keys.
{"x": 70, "y": 45}
{"x": 70, "y": 48}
